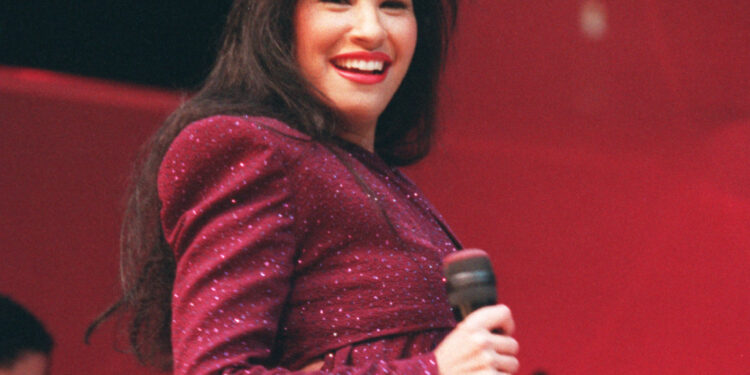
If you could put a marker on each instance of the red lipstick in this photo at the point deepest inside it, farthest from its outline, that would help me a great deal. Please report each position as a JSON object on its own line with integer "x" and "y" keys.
{"x": 362, "y": 66}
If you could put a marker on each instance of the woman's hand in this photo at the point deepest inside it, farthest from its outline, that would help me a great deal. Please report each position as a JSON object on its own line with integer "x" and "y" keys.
{"x": 473, "y": 348}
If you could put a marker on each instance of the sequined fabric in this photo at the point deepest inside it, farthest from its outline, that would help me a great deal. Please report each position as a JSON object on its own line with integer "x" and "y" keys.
{"x": 290, "y": 251}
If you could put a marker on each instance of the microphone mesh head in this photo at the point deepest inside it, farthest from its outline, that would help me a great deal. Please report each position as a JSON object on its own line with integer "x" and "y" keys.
{"x": 466, "y": 260}
{"x": 470, "y": 281}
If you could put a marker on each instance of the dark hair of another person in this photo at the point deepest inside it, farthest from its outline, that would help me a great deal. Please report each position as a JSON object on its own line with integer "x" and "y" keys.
{"x": 256, "y": 74}
{"x": 20, "y": 333}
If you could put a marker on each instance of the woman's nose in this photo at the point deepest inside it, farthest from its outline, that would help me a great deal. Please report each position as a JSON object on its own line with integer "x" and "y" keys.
{"x": 368, "y": 29}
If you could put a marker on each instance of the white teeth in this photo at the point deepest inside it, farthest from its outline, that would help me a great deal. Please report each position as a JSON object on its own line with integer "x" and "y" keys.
{"x": 363, "y": 65}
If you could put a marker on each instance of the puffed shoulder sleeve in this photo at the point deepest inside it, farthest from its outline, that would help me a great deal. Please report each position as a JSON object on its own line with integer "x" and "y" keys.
{"x": 226, "y": 190}
{"x": 226, "y": 213}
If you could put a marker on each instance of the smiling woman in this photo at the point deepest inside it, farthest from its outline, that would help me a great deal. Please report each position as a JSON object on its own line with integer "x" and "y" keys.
{"x": 267, "y": 225}
{"x": 356, "y": 55}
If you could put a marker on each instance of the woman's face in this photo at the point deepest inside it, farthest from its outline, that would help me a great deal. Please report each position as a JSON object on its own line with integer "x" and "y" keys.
{"x": 355, "y": 52}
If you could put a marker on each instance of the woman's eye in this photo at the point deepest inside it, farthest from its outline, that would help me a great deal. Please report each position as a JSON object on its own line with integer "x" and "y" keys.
{"x": 336, "y": 1}
{"x": 395, "y": 4}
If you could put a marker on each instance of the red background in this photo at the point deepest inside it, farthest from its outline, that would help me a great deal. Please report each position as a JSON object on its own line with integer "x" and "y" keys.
{"x": 608, "y": 177}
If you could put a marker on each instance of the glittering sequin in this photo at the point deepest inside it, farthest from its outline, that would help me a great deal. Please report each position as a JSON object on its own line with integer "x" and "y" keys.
{"x": 289, "y": 251}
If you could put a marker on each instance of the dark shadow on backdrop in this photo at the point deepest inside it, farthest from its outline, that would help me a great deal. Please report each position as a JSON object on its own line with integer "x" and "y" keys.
{"x": 164, "y": 43}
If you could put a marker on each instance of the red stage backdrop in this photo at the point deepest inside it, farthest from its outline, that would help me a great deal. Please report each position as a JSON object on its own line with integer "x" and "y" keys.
{"x": 597, "y": 150}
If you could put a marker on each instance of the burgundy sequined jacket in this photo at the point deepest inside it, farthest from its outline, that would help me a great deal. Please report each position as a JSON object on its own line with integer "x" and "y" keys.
{"x": 290, "y": 251}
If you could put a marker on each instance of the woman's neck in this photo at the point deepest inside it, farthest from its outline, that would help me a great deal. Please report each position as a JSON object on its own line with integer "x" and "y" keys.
{"x": 364, "y": 138}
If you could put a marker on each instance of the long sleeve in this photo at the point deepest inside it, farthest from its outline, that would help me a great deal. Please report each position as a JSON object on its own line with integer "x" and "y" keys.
{"x": 227, "y": 191}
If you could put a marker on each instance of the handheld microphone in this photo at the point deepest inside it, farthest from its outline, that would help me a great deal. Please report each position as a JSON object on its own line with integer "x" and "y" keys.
{"x": 470, "y": 281}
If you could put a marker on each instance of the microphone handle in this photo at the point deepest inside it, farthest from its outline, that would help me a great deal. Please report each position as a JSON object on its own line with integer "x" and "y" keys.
{"x": 463, "y": 308}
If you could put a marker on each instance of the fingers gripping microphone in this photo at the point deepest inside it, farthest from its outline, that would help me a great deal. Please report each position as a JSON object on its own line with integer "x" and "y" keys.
{"x": 470, "y": 281}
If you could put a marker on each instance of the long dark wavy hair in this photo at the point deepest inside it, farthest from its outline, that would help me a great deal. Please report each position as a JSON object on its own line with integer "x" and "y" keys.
{"x": 256, "y": 73}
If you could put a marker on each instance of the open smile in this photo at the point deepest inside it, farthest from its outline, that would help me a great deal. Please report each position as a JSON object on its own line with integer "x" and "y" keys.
{"x": 362, "y": 67}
